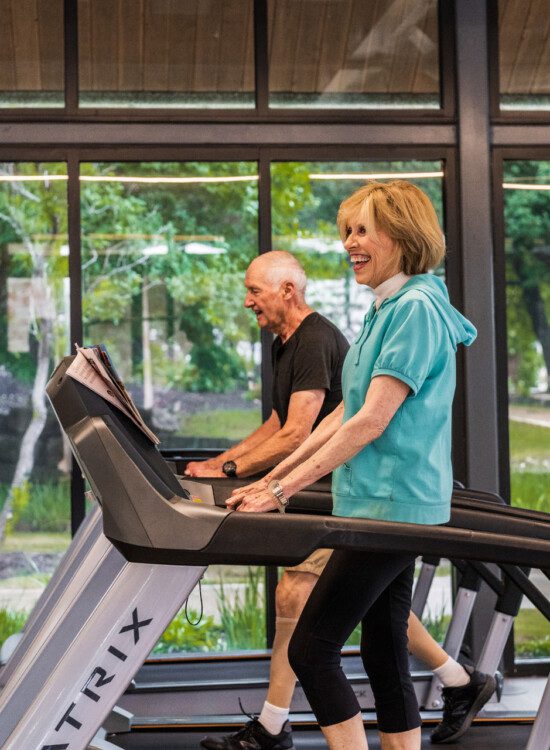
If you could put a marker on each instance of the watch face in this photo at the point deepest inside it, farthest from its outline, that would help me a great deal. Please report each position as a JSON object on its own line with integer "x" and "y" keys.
{"x": 230, "y": 469}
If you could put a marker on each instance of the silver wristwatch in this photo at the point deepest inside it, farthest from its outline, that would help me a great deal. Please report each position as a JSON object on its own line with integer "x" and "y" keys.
{"x": 277, "y": 491}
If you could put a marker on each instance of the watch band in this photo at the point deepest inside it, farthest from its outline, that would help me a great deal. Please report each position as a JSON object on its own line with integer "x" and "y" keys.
{"x": 278, "y": 493}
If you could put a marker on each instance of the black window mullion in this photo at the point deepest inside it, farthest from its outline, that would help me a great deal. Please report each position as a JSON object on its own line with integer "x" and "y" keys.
{"x": 75, "y": 276}
{"x": 70, "y": 20}
{"x": 261, "y": 57}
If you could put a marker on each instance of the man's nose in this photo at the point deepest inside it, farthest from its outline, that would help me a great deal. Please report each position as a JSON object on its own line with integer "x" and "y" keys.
{"x": 248, "y": 301}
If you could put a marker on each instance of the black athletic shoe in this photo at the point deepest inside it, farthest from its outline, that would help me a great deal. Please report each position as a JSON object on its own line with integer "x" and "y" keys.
{"x": 252, "y": 736}
{"x": 461, "y": 704}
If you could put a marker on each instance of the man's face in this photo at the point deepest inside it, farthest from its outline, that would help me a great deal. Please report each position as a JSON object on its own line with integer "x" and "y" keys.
{"x": 264, "y": 299}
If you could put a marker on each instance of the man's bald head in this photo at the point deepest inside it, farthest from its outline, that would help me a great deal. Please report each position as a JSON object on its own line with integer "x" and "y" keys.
{"x": 275, "y": 285}
{"x": 278, "y": 267}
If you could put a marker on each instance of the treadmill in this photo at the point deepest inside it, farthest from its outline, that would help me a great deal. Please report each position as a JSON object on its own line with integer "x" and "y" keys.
{"x": 156, "y": 544}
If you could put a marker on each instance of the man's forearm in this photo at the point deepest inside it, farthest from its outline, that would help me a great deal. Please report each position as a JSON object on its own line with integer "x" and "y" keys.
{"x": 259, "y": 436}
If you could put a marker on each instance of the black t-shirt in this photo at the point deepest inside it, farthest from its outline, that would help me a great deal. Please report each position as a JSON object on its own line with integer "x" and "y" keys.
{"x": 311, "y": 359}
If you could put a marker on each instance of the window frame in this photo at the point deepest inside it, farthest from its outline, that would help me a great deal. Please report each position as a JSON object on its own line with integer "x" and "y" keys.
{"x": 261, "y": 112}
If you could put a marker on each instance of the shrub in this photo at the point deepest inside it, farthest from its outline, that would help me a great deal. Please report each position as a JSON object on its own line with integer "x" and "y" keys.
{"x": 437, "y": 624}
{"x": 19, "y": 502}
{"x": 11, "y": 621}
{"x": 534, "y": 648}
{"x": 243, "y": 620}
{"x": 181, "y": 635}
{"x": 47, "y": 507}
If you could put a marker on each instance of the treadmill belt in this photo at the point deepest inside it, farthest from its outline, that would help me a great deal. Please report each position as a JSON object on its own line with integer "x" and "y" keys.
{"x": 479, "y": 737}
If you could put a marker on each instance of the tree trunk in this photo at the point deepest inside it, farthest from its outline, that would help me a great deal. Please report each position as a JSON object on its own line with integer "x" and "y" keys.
{"x": 25, "y": 461}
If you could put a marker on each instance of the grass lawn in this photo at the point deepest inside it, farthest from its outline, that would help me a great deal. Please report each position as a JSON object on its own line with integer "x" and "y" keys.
{"x": 530, "y": 460}
{"x": 35, "y": 541}
{"x": 529, "y": 441}
{"x": 231, "y": 424}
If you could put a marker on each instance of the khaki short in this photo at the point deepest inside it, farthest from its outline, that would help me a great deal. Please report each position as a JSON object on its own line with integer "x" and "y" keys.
{"x": 315, "y": 563}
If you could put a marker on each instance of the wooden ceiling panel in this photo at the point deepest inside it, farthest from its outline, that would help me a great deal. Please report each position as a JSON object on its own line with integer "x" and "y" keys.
{"x": 283, "y": 42}
{"x": 157, "y": 21}
{"x": 182, "y": 49}
{"x": 524, "y": 27}
{"x": 8, "y": 80}
{"x": 130, "y": 52}
{"x": 232, "y": 59}
{"x": 323, "y": 46}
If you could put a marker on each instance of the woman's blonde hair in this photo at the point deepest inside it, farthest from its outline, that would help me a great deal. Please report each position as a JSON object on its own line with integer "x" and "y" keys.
{"x": 405, "y": 214}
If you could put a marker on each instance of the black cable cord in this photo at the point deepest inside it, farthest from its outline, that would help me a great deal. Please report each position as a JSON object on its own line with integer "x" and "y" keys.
{"x": 197, "y": 622}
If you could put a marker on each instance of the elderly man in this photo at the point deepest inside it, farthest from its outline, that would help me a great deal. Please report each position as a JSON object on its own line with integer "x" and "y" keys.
{"x": 307, "y": 360}
{"x": 307, "y": 356}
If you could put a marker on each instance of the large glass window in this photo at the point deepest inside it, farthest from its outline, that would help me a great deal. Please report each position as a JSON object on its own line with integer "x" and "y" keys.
{"x": 166, "y": 54}
{"x": 524, "y": 28}
{"x": 164, "y": 251}
{"x": 34, "y": 320}
{"x": 31, "y": 53}
{"x": 344, "y": 53}
{"x": 527, "y": 252}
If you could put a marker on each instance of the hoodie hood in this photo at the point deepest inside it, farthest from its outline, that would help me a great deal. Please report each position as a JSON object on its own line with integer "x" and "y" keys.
{"x": 461, "y": 331}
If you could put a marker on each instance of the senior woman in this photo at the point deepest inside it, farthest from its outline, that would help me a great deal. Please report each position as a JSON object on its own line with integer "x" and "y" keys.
{"x": 391, "y": 441}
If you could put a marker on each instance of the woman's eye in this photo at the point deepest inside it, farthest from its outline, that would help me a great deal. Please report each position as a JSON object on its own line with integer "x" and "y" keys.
{"x": 361, "y": 230}
{"x": 348, "y": 231}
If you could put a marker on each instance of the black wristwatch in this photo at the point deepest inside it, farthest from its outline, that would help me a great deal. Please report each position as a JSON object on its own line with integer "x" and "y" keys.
{"x": 230, "y": 469}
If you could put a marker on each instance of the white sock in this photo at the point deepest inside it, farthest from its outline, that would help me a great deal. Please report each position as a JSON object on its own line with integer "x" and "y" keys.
{"x": 272, "y": 718}
{"x": 452, "y": 674}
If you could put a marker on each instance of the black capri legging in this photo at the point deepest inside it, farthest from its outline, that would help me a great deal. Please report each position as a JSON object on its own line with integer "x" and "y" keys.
{"x": 373, "y": 588}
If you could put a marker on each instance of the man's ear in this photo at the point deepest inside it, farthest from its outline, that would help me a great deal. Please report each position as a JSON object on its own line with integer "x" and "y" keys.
{"x": 288, "y": 289}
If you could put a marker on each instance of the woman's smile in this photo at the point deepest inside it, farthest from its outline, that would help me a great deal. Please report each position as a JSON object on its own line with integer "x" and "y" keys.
{"x": 358, "y": 262}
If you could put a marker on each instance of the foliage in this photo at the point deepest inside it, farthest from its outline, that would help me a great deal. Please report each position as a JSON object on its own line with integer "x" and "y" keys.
{"x": 20, "y": 500}
{"x": 11, "y": 621}
{"x": 47, "y": 508}
{"x": 181, "y": 635}
{"x": 538, "y": 648}
{"x": 532, "y": 634}
{"x": 527, "y": 219}
{"x": 243, "y": 618}
{"x": 436, "y": 624}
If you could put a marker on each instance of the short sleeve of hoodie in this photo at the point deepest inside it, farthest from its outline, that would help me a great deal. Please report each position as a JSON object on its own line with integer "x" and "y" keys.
{"x": 314, "y": 360}
{"x": 409, "y": 344}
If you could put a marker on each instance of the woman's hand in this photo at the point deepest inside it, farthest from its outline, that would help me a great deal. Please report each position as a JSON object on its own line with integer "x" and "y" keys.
{"x": 253, "y": 498}
{"x": 239, "y": 494}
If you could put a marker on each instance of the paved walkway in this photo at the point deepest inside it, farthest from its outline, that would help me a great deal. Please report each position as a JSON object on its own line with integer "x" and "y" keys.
{"x": 530, "y": 415}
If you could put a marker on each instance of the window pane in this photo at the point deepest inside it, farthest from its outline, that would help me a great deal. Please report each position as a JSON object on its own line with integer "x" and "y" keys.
{"x": 524, "y": 48}
{"x": 345, "y": 53}
{"x": 164, "y": 250}
{"x": 527, "y": 250}
{"x": 159, "y": 53}
{"x": 34, "y": 320}
{"x": 306, "y": 197}
{"x": 31, "y": 53}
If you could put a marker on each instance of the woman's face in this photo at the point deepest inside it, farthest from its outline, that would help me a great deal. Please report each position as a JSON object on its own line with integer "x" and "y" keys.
{"x": 374, "y": 258}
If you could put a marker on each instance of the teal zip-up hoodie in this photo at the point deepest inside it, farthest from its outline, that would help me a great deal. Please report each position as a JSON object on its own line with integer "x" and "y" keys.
{"x": 406, "y": 473}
